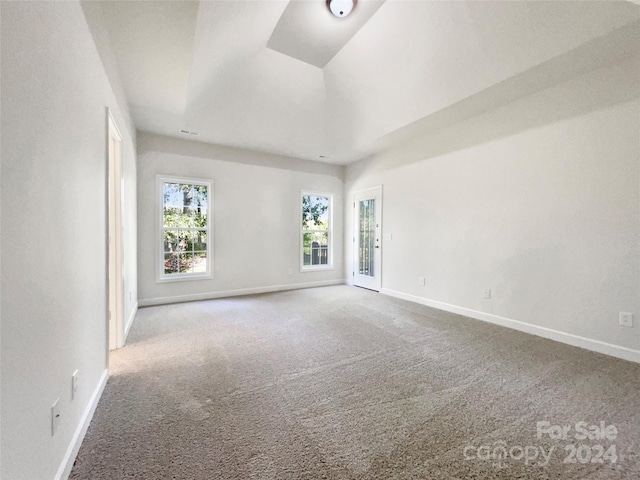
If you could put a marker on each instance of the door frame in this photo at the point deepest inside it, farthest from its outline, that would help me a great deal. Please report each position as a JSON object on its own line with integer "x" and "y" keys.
{"x": 375, "y": 282}
{"x": 115, "y": 260}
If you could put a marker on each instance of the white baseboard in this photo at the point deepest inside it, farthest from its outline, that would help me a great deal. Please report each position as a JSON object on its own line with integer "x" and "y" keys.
{"x": 148, "y": 302}
{"x": 563, "y": 337}
{"x": 127, "y": 326}
{"x": 72, "y": 451}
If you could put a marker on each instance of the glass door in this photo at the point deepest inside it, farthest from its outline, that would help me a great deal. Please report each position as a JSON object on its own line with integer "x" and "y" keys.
{"x": 367, "y": 238}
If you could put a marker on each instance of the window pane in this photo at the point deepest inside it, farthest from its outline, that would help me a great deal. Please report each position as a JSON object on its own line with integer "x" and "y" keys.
{"x": 367, "y": 237}
{"x": 171, "y": 241}
{"x": 170, "y": 263}
{"x": 185, "y": 262}
{"x": 199, "y": 262}
{"x": 315, "y": 212}
{"x": 315, "y": 248}
{"x": 200, "y": 241}
{"x": 188, "y": 238}
{"x": 185, "y": 251}
{"x": 185, "y": 205}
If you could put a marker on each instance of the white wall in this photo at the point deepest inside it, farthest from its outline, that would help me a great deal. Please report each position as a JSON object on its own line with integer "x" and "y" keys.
{"x": 53, "y": 279}
{"x": 95, "y": 19}
{"x": 257, "y": 217}
{"x": 538, "y": 200}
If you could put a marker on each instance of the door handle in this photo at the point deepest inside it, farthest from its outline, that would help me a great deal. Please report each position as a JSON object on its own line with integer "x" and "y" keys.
{"x": 377, "y": 246}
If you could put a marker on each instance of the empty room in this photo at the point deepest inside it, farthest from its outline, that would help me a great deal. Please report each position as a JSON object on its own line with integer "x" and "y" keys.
{"x": 320, "y": 239}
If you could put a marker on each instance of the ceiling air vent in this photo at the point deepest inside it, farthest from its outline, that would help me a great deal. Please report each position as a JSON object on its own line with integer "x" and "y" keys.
{"x": 187, "y": 132}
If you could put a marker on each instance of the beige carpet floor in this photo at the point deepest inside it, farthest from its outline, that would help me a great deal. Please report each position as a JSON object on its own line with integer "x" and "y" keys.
{"x": 344, "y": 383}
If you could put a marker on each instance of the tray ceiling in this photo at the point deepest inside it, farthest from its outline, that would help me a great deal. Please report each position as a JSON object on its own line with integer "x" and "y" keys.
{"x": 288, "y": 78}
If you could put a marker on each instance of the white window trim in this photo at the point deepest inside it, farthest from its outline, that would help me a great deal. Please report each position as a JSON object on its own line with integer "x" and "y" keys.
{"x": 161, "y": 277}
{"x": 315, "y": 268}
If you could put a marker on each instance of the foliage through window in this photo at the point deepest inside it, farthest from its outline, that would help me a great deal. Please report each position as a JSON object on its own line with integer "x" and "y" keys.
{"x": 185, "y": 232}
{"x": 316, "y": 230}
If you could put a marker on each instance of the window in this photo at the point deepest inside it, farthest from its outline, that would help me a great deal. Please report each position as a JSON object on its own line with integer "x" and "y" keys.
{"x": 316, "y": 231}
{"x": 185, "y": 228}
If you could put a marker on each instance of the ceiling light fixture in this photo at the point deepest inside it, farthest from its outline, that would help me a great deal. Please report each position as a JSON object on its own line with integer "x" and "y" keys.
{"x": 341, "y": 8}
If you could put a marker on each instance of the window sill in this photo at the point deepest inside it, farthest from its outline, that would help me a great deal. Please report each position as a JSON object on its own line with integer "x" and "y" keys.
{"x": 185, "y": 278}
{"x": 316, "y": 269}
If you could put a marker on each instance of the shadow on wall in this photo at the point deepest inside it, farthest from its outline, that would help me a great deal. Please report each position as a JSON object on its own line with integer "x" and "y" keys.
{"x": 510, "y": 107}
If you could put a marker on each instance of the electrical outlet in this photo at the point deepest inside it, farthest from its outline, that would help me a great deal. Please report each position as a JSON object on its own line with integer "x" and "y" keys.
{"x": 74, "y": 385}
{"x": 421, "y": 281}
{"x": 55, "y": 416}
{"x": 487, "y": 293}
{"x": 626, "y": 319}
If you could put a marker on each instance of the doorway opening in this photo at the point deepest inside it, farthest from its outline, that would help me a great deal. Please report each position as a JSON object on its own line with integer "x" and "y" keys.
{"x": 115, "y": 314}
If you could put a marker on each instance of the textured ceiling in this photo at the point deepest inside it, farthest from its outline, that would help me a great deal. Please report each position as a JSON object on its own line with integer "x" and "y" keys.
{"x": 287, "y": 78}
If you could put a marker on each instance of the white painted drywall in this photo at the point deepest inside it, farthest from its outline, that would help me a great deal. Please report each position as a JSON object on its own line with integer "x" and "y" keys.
{"x": 53, "y": 279}
{"x": 96, "y": 21}
{"x": 256, "y": 211}
{"x": 538, "y": 200}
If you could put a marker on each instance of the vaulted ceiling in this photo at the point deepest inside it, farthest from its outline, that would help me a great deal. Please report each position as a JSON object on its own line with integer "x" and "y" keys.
{"x": 287, "y": 77}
